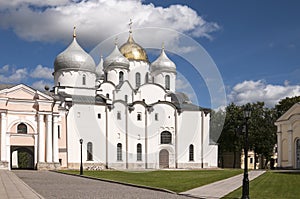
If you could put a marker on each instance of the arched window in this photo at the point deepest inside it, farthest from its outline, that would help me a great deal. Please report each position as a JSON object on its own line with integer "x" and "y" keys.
{"x": 89, "y": 151}
{"x": 167, "y": 82}
{"x": 121, "y": 77}
{"x": 22, "y": 128}
{"x": 139, "y": 152}
{"x": 139, "y": 117}
{"x": 165, "y": 137}
{"x": 119, "y": 151}
{"x": 147, "y": 78}
{"x": 137, "y": 80}
{"x": 83, "y": 79}
{"x": 191, "y": 153}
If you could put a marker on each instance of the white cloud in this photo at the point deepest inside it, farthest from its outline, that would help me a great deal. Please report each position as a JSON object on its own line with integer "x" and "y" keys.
{"x": 253, "y": 91}
{"x": 14, "y": 76}
{"x": 4, "y": 69}
{"x": 42, "y": 72}
{"x": 37, "y": 20}
{"x": 40, "y": 85}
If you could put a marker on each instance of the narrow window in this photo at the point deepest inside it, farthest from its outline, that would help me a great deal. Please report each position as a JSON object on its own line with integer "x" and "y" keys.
{"x": 165, "y": 137}
{"x": 89, "y": 151}
{"x": 83, "y": 79}
{"x": 126, "y": 98}
{"x": 22, "y": 128}
{"x": 58, "y": 131}
{"x": 119, "y": 152}
{"x": 251, "y": 160}
{"x": 121, "y": 77}
{"x": 191, "y": 153}
{"x": 139, "y": 117}
{"x": 137, "y": 80}
{"x": 99, "y": 115}
{"x": 156, "y": 116}
{"x": 119, "y": 115}
{"x": 147, "y": 78}
{"x": 139, "y": 152}
{"x": 107, "y": 95}
{"x": 167, "y": 82}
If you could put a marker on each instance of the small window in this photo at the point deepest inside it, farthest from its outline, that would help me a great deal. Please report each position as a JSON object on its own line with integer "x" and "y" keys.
{"x": 99, "y": 115}
{"x": 126, "y": 98}
{"x": 139, "y": 152}
{"x": 58, "y": 131}
{"x": 165, "y": 137}
{"x": 139, "y": 117}
{"x": 156, "y": 116}
{"x": 147, "y": 78}
{"x": 251, "y": 160}
{"x": 191, "y": 153}
{"x": 60, "y": 161}
{"x": 167, "y": 82}
{"x": 107, "y": 95}
{"x": 121, "y": 77}
{"x": 22, "y": 128}
{"x": 119, "y": 152}
{"x": 89, "y": 151}
{"x": 119, "y": 115}
{"x": 137, "y": 80}
{"x": 83, "y": 79}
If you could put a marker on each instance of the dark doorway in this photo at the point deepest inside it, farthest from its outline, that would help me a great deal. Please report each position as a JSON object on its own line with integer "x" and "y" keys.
{"x": 22, "y": 157}
{"x": 164, "y": 159}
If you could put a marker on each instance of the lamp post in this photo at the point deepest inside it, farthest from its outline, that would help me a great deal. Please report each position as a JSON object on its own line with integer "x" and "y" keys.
{"x": 247, "y": 115}
{"x": 81, "y": 167}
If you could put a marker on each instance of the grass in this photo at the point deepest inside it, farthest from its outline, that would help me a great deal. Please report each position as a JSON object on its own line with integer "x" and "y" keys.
{"x": 273, "y": 185}
{"x": 177, "y": 181}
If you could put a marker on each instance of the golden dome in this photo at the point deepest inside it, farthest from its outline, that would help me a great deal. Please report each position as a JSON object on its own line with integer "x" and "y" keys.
{"x": 132, "y": 51}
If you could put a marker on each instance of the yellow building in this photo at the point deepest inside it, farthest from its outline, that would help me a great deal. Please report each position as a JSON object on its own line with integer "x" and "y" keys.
{"x": 288, "y": 138}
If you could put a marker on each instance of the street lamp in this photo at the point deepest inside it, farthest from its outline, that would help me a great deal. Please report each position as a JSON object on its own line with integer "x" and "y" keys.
{"x": 81, "y": 167}
{"x": 247, "y": 115}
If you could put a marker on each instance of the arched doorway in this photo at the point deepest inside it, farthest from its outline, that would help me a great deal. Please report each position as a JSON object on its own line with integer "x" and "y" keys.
{"x": 164, "y": 159}
{"x": 298, "y": 153}
{"x": 22, "y": 157}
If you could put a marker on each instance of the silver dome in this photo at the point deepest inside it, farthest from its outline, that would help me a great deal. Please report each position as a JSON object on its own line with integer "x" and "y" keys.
{"x": 163, "y": 63}
{"x": 115, "y": 59}
{"x": 74, "y": 58}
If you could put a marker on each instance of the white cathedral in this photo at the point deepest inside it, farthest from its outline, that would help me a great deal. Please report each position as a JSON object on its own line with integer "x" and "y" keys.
{"x": 125, "y": 110}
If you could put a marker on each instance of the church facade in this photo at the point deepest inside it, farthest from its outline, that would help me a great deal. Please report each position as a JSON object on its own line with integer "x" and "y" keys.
{"x": 126, "y": 111}
{"x": 288, "y": 138}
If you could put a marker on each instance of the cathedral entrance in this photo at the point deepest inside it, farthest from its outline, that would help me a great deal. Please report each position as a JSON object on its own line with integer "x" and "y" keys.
{"x": 298, "y": 154}
{"x": 22, "y": 157}
{"x": 164, "y": 159}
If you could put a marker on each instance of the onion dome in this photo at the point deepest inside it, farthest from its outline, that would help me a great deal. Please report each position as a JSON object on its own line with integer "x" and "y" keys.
{"x": 163, "y": 63}
{"x": 115, "y": 60}
{"x": 133, "y": 51}
{"x": 99, "y": 68}
{"x": 74, "y": 58}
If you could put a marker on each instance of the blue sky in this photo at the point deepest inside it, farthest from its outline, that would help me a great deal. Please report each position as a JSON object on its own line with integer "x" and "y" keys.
{"x": 255, "y": 44}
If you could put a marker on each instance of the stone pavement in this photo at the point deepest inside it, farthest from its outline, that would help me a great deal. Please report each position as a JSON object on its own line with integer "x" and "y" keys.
{"x": 221, "y": 188}
{"x": 12, "y": 187}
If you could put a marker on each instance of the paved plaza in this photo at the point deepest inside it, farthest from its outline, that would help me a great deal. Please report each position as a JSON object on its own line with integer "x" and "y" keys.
{"x": 29, "y": 184}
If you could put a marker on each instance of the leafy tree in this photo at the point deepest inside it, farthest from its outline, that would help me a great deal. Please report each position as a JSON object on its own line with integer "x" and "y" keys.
{"x": 229, "y": 140}
{"x": 285, "y": 104}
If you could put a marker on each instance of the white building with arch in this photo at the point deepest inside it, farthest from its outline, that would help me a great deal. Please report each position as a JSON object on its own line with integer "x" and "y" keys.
{"x": 125, "y": 109}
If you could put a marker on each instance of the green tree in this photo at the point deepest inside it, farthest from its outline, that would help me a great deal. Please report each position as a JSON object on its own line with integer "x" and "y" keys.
{"x": 262, "y": 132}
{"x": 229, "y": 140}
{"x": 285, "y": 104}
